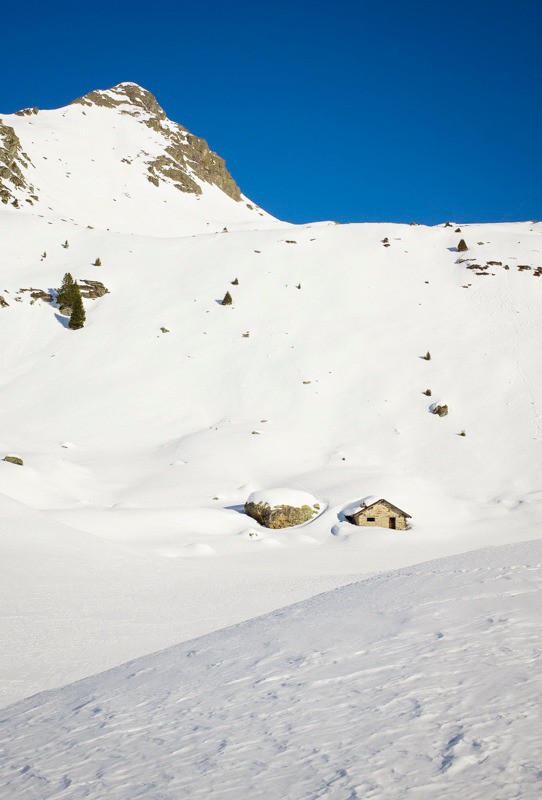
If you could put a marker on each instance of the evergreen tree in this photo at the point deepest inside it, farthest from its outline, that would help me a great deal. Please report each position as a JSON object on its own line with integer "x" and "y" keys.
{"x": 65, "y": 294}
{"x": 78, "y": 317}
{"x": 462, "y": 246}
{"x": 97, "y": 263}
{"x": 227, "y": 301}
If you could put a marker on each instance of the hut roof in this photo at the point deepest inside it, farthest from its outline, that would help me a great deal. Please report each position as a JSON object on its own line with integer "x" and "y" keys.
{"x": 387, "y": 503}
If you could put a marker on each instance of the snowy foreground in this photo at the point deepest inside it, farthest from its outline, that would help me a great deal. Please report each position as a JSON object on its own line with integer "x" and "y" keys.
{"x": 425, "y": 682}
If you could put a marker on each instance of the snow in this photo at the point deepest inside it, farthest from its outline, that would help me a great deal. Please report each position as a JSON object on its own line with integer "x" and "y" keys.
{"x": 162, "y": 424}
{"x": 424, "y": 683}
{"x": 124, "y": 532}
{"x": 104, "y": 183}
{"x": 283, "y": 497}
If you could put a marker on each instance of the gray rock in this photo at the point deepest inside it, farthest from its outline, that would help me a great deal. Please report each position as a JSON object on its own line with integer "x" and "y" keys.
{"x": 14, "y": 460}
{"x": 92, "y": 289}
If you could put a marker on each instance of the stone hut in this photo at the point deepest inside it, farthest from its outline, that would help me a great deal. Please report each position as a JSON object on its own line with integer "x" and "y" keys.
{"x": 381, "y": 514}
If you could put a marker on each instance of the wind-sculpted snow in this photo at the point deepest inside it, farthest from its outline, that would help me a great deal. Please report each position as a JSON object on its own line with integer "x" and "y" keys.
{"x": 422, "y": 683}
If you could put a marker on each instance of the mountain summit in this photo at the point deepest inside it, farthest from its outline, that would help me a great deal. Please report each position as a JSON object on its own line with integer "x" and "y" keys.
{"x": 100, "y": 160}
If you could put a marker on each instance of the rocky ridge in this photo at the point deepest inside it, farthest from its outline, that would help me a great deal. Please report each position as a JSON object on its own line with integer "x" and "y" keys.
{"x": 180, "y": 159}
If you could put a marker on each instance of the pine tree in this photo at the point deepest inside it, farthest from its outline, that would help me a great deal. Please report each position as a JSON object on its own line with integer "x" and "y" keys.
{"x": 78, "y": 317}
{"x": 462, "y": 246}
{"x": 97, "y": 263}
{"x": 66, "y": 245}
{"x": 227, "y": 301}
{"x": 65, "y": 294}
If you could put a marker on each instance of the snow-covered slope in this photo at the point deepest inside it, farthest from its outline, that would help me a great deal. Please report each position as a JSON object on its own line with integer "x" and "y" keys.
{"x": 113, "y": 160}
{"x": 144, "y": 433}
{"x": 422, "y": 683}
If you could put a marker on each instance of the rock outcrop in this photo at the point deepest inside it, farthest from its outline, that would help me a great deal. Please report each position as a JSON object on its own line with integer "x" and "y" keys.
{"x": 12, "y": 163}
{"x": 92, "y": 289}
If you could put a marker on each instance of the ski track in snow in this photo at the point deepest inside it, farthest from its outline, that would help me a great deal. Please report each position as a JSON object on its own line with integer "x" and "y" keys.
{"x": 426, "y": 682}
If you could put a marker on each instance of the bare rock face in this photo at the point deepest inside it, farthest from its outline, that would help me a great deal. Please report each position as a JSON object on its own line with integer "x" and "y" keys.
{"x": 118, "y": 95}
{"x": 184, "y": 157}
{"x": 12, "y": 163}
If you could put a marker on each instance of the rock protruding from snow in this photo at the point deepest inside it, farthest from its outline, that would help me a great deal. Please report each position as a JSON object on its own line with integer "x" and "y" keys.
{"x": 282, "y": 508}
{"x": 92, "y": 289}
{"x": 13, "y": 162}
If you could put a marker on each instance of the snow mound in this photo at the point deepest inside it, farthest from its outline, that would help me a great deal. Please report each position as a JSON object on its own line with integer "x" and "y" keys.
{"x": 283, "y": 497}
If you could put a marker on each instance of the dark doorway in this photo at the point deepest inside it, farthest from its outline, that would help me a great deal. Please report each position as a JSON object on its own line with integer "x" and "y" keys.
{"x": 392, "y": 522}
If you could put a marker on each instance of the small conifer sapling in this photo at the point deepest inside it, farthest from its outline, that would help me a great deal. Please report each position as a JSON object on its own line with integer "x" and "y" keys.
{"x": 97, "y": 263}
{"x": 78, "y": 317}
{"x": 227, "y": 300}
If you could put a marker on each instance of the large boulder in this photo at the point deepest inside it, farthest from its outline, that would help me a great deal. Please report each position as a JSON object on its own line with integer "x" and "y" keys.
{"x": 282, "y": 508}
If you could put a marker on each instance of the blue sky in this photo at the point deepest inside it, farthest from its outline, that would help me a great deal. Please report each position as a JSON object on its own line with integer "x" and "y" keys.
{"x": 353, "y": 111}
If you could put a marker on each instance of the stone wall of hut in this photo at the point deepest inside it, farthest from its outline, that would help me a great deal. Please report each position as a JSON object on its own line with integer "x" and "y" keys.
{"x": 381, "y": 514}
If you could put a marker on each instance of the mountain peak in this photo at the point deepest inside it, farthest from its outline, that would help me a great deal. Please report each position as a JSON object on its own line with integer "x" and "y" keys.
{"x": 125, "y": 146}
{"x": 124, "y": 94}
